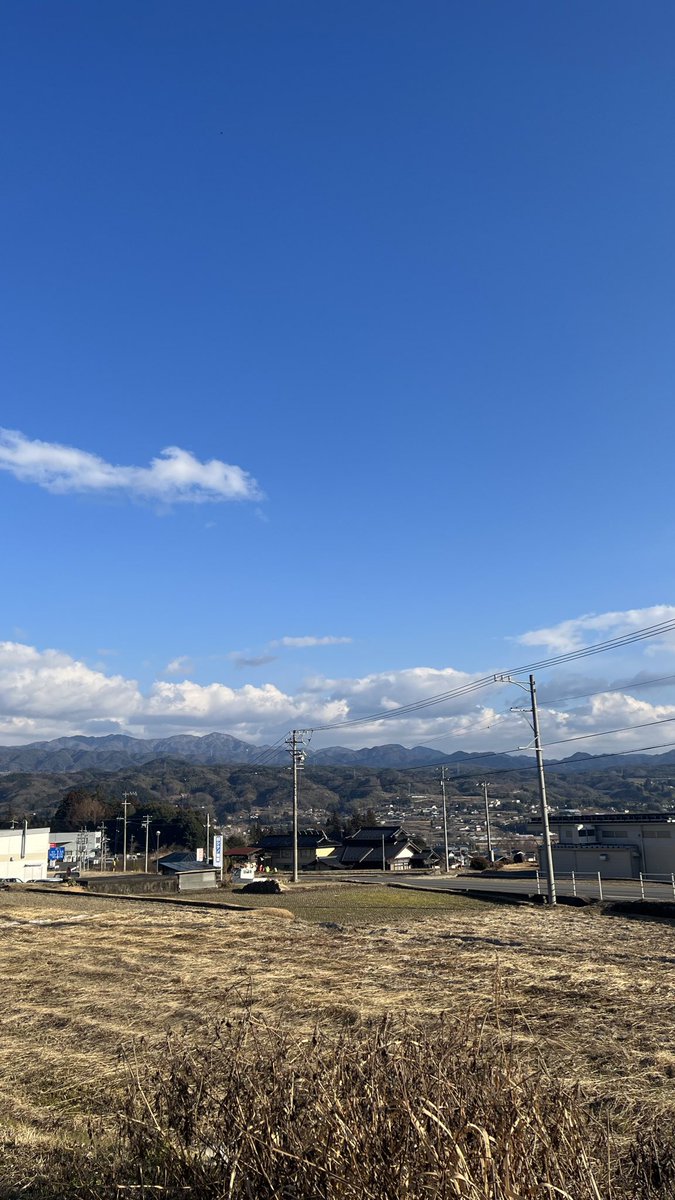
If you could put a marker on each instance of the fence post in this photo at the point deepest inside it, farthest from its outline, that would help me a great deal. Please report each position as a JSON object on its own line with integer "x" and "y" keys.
{"x": 574, "y": 884}
{"x": 599, "y": 886}
{"x": 642, "y": 886}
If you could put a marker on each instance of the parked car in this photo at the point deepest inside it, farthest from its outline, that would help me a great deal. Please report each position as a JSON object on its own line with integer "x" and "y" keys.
{"x": 11, "y": 879}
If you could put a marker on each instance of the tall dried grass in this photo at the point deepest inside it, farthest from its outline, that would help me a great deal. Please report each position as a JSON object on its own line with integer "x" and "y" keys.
{"x": 385, "y": 1110}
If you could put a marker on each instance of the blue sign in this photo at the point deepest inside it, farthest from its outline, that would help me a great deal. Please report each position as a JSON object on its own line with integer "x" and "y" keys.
{"x": 56, "y": 852}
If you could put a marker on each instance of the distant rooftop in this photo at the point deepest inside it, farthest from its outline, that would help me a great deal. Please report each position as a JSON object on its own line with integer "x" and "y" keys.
{"x": 632, "y": 818}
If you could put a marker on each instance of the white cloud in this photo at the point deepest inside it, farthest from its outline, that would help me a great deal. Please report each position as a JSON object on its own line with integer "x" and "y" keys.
{"x": 50, "y": 686}
{"x": 175, "y": 476}
{"x": 301, "y": 642}
{"x": 182, "y": 665}
{"x": 594, "y": 627}
{"x": 47, "y": 693}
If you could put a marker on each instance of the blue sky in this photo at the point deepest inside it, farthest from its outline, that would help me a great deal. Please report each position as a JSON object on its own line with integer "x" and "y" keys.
{"x": 408, "y": 268}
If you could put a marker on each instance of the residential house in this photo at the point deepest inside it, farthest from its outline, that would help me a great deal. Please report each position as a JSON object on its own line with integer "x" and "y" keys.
{"x": 383, "y": 847}
{"x": 313, "y": 845}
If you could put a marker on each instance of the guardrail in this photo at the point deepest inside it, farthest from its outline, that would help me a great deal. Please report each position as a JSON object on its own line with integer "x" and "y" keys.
{"x": 643, "y": 880}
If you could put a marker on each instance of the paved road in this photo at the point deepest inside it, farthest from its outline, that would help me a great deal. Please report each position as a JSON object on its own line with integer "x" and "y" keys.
{"x": 612, "y": 889}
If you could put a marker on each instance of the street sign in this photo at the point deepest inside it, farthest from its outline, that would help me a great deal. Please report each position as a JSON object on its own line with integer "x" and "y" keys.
{"x": 55, "y": 853}
{"x": 218, "y": 850}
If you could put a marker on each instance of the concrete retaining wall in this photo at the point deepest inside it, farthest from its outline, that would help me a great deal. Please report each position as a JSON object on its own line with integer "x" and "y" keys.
{"x": 136, "y": 884}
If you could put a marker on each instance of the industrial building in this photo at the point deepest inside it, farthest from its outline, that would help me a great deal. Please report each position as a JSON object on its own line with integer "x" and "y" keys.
{"x": 618, "y": 845}
{"x": 80, "y": 849}
{"x": 24, "y": 853}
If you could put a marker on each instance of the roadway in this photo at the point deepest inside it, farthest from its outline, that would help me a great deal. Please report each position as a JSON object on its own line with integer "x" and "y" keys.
{"x": 612, "y": 889}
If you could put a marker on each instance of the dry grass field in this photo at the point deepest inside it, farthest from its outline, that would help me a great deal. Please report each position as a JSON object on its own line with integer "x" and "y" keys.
{"x": 590, "y": 998}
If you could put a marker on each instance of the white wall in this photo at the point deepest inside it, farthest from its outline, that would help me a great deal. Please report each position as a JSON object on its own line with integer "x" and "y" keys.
{"x": 23, "y": 856}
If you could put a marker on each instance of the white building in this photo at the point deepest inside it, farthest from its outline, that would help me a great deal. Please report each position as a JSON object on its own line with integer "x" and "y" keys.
{"x": 24, "y": 853}
{"x": 82, "y": 848}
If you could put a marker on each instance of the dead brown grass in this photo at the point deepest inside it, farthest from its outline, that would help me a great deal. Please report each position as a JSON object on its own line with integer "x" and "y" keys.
{"x": 594, "y": 995}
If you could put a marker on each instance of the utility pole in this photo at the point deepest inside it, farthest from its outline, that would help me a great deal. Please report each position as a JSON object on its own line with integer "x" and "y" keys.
{"x": 146, "y": 827}
{"x": 208, "y": 837}
{"x": 384, "y": 857}
{"x": 545, "y": 829}
{"x": 490, "y": 851}
{"x": 445, "y": 824}
{"x": 126, "y": 796}
{"x": 295, "y": 745}
{"x": 103, "y": 845}
{"x": 552, "y": 898}
{"x": 157, "y": 859}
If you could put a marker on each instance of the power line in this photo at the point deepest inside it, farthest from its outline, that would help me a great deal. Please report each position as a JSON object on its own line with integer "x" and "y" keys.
{"x": 581, "y": 737}
{"x": 477, "y": 758}
{"x": 622, "y": 687}
{"x": 627, "y": 639}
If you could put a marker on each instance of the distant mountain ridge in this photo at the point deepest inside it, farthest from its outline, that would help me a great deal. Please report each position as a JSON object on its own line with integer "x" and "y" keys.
{"x": 118, "y": 751}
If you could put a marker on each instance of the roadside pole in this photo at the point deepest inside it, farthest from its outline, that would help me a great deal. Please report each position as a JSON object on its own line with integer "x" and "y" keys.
{"x": 488, "y": 831}
{"x": 146, "y": 826}
{"x": 295, "y": 745}
{"x": 445, "y": 824}
{"x": 548, "y": 853}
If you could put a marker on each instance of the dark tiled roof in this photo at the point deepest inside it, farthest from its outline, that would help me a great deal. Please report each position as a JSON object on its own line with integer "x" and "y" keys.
{"x": 375, "y": 833}
{"x": 306, "y": 837}
{"x": 364, "y": 852}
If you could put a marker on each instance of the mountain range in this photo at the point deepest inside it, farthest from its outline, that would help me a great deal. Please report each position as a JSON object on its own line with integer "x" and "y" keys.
{"x": 116, "y": 752}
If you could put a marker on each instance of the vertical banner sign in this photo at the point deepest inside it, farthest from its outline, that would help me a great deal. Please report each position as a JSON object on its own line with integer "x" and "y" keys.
{"x": 199, "y": 853}
{"x": 218, "y": 850}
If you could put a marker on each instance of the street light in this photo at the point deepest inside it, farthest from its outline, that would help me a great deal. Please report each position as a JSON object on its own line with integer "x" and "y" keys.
{"x": 536, "y": 744}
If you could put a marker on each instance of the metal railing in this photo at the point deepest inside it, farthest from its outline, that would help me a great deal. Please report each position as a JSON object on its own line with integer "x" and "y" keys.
{"x": 662, "y": 884}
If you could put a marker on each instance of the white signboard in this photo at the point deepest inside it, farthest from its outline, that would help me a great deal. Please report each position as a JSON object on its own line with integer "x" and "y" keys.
{"x": 199, "y": 854}
{"x": 218, "y": 850}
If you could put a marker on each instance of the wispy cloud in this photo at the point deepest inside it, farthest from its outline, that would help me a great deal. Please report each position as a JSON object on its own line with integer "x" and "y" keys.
{"x": 299, "y": 643}
{"x": 182, "y": 665}
{"x": 582, "y": 631}
{"x": 252, "y": 660}
{"x": 175, "y": 476}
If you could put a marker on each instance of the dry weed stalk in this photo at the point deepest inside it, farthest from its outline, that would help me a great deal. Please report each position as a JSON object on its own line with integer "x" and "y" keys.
{"x": 383, "y": 1111}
